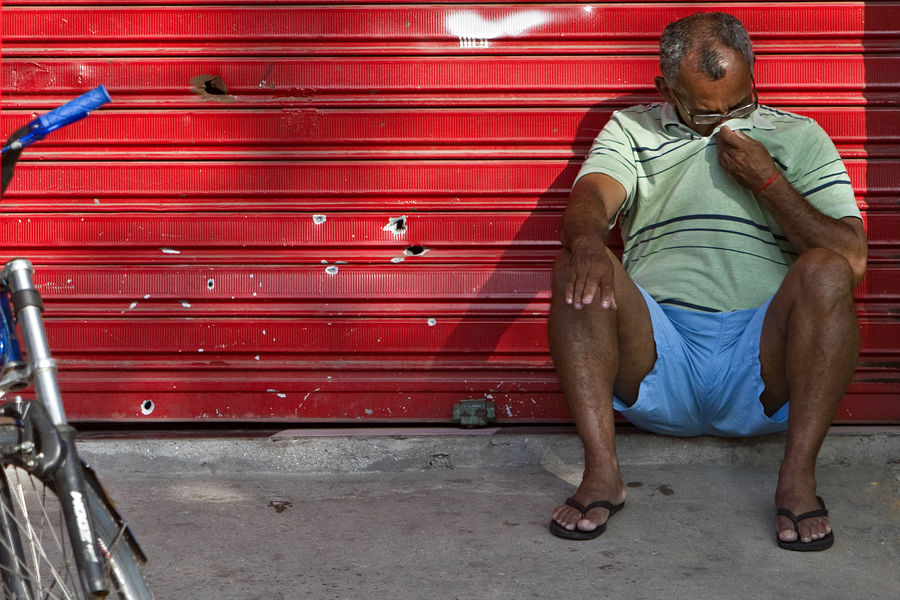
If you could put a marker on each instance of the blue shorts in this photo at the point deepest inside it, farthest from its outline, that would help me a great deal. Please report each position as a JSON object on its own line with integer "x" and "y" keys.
{"x": 706, "y": 379}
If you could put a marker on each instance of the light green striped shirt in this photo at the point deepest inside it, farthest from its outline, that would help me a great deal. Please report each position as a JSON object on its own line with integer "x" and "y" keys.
{"x": 693, "y": 236}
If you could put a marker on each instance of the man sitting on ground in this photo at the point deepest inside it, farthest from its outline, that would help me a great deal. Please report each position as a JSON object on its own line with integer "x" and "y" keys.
{"x": 731, "y": 312}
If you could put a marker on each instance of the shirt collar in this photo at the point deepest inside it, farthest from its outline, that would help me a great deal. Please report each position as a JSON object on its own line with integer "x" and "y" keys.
{"x": 672, "y": 124}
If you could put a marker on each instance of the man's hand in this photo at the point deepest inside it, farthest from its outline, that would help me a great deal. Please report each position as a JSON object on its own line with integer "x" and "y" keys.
{"x": 746, "y": 160}
{"x": 10, "y": 157}
{"x": 590, "y": 270}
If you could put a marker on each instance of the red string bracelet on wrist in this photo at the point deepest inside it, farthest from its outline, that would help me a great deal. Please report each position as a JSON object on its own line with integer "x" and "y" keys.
{"x": 767, "y": 183}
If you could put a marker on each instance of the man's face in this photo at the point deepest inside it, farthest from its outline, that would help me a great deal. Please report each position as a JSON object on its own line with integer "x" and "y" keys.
{"x": 695, "y": 96}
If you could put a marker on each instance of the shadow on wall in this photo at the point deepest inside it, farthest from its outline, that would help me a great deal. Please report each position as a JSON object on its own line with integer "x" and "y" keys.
{"x": 489, "y": 337}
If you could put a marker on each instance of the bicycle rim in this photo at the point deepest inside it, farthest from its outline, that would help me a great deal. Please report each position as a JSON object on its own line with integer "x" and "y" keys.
{"x": 46, "y": 554}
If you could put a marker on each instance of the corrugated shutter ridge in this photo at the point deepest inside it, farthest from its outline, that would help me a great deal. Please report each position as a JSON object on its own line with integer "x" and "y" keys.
{"x": 347, "y": 211}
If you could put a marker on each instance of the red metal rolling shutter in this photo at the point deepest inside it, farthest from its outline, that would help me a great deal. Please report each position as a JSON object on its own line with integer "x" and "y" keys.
{"x": 309, "y": 211}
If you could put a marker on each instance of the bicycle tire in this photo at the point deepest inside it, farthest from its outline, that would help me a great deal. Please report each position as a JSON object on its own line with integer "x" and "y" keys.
{"x": 48, "y": 557}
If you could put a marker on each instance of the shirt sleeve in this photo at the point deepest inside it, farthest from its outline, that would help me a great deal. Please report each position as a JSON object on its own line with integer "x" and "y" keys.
{"x": 612, "y": 154}
{"x": 819, "y": 175}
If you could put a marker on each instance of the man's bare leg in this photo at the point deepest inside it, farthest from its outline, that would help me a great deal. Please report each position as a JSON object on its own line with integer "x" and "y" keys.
{"x": 809, "y": 350}
{"x": 597, "y": 350}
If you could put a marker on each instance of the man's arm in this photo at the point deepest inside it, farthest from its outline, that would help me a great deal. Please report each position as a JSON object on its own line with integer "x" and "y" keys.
{"x": 750, "y": 164}
{"x": 595, "y": 199}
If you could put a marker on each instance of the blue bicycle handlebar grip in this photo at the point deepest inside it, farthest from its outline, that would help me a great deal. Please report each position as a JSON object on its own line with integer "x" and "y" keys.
{"x": 71, "y": 111}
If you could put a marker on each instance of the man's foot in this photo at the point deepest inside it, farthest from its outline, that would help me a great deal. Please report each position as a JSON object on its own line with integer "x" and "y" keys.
{"x": 802, "y": 522}
{"x": 571, "y": 518}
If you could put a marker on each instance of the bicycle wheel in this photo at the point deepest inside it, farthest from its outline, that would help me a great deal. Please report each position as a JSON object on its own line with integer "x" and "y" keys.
{"x": 45, "y": 556}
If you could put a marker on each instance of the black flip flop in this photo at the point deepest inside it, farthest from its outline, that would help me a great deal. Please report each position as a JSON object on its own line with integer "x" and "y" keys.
{"x": 577, "y": 534}
{"x": 823, "y": 543}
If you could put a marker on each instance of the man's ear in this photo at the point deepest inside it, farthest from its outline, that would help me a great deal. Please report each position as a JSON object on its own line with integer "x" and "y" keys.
{"x": 663, "y": 88}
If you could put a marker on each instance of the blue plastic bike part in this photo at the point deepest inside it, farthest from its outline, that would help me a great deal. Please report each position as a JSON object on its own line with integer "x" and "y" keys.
{"x": 71, "y": 111}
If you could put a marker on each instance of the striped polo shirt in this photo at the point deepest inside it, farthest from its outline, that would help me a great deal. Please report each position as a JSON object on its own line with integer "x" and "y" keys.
{"x": 694, "y": 238}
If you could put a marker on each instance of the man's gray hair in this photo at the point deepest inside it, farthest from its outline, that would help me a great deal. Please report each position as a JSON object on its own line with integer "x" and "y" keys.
{"x": 705, "y": 33}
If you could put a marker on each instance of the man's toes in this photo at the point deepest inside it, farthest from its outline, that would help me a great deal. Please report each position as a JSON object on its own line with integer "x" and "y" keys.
{"x": 587, "y": 525}
{"x": 786, "y": 531}
{"x": 813, "y": 529}
{"x": 593, "y": 519}
{"x": 564, "y": 516}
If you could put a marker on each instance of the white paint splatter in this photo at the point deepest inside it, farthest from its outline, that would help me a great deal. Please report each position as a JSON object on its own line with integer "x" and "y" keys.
{"x": 474, "y": 31}
{"x": 396, "y": 225}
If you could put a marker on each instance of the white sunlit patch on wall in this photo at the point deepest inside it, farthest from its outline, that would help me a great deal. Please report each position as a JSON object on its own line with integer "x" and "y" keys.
{"x": 474, "y": 31}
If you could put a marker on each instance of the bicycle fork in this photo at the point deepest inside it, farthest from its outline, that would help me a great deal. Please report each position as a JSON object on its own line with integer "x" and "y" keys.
{"x": 67, "y": 478}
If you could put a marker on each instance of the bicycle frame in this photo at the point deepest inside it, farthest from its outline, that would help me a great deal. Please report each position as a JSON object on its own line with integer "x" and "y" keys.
{"x": 46, "y": 445}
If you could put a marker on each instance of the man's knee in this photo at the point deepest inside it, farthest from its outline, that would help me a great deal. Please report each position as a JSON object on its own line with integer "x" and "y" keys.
{"x": 822, "y": 275}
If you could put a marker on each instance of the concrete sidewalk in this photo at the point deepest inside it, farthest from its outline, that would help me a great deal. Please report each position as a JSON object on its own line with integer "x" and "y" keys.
{"x": 437, "y": 513}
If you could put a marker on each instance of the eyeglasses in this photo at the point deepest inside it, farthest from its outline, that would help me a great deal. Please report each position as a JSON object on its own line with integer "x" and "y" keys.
{"x": 710, "y": 118}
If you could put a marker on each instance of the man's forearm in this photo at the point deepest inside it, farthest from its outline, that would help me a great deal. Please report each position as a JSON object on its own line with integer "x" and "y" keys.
{"x": 583, "y": 218}
{"x": 807, "y": 228}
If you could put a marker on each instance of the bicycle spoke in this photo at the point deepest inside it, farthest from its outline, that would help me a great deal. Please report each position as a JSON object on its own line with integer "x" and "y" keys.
{"x": 59, "y": 581}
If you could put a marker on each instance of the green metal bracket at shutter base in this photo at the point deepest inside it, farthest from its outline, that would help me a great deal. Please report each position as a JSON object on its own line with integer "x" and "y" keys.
{"x": 474, "y": 413}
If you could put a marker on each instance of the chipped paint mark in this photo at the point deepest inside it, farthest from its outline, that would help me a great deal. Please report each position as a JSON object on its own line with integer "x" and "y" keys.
{"x": 264, "y": 81}
{"x": 396, "y": 225}
{"x": 323, "y": 261}
{"x": 508, "y": 411}
{"x": 256, "y": 357}
{"x": 415, "y": 251}
{"x": 211, "y": 87}
{"x": 397, "y": 259}
{"x": 210, "y": 283}
{"x": 185, "y": 304}
{"x": 369, "y": 412}
{"x": 146, "y": 296}
{"x": 132, "y": 305}
{"x": 319, "y": 219}
{"x": 170, "y": 251}
{"x": 310, "y": 393}
{"x": 432, "y": 322}
{"x": 199, "y": 349}
{"x": 147, "y": 407}
{"x": 332, "y": 270}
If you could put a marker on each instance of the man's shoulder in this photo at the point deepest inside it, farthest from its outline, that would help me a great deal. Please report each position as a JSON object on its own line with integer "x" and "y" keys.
{"x": 784, "y": 120}
{"x": 639, "y": 120}
{"x": 788, "y": 133}
{"x": 640, "y": 113}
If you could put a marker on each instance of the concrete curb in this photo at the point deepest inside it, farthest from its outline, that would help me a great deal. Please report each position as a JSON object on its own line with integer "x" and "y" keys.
{"x": 319, "y": 451}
